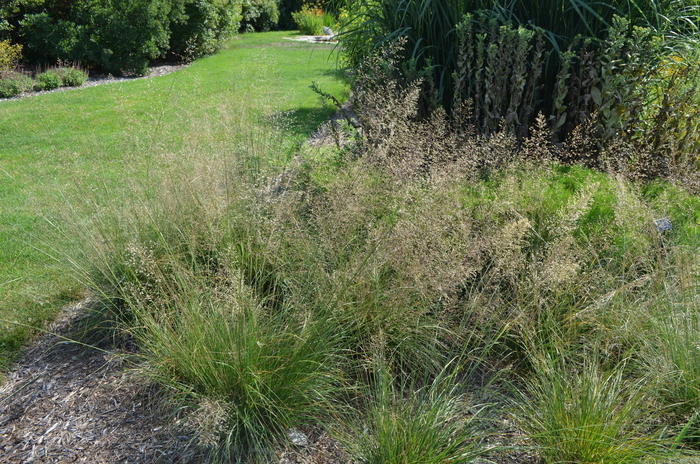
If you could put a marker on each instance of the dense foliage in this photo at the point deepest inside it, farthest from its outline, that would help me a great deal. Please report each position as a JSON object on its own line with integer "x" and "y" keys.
{"x": 616, "y": 70}
{"x": 119, "y": 36}
{"x": 201, "y": 26}
{"x": 260, "y": 15}
{"x": 311, "y": 20}
{"x": 437, "y": 32}
{"x": 431, "y": 26}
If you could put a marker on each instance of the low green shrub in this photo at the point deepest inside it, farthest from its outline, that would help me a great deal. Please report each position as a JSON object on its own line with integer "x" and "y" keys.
{"x": 72, "y": 77}
{"x": 14, "y": 83}
{"x": 48, "y": 80}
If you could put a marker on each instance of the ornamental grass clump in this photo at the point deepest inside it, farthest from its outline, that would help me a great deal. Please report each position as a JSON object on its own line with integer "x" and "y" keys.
{"x": 191, "y": 293}
{"x": 670, "y": 342}
{"x": 576, "y": 410}
{"x": 177, "y": 269}
{"x": 403, "y": 422}
{"x": 673, "y": 352}
{"x": 311, "y": 19}
{"x": 267, "y": 371}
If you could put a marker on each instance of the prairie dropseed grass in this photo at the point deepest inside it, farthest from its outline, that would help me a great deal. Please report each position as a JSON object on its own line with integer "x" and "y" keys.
{"x": 576, "y": 411}
{"x": 406, "y": 422}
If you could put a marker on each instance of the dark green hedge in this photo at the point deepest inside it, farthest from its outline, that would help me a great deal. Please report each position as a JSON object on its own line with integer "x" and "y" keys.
{"x": 120, "y": 36}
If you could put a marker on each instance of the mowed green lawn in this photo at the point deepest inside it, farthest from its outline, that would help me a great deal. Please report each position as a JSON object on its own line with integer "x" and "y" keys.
{"x": 99, "y": 137}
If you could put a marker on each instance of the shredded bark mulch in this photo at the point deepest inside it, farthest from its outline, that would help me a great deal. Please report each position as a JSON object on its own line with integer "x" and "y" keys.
{"x": 66, "y": 403}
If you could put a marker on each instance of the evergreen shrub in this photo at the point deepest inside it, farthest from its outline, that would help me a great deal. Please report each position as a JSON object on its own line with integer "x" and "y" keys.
{"x": 123, "y": 36}
{"x": 259, "y": 15}
{"x": 200, "y": 27}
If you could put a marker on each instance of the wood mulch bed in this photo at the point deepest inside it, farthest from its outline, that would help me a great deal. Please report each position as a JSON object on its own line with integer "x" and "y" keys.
{"x": 65, "y": 402}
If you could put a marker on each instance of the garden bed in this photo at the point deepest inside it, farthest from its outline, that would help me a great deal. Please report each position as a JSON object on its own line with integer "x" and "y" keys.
{"x": 155, "y": 70}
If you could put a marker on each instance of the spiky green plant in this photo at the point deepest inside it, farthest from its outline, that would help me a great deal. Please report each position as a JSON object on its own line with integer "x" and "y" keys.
{"x": 403, "y": 422}
{"x": 265, "y": 372}
{"x": 431, "y": 25}
{"x": 575, "y": 410}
